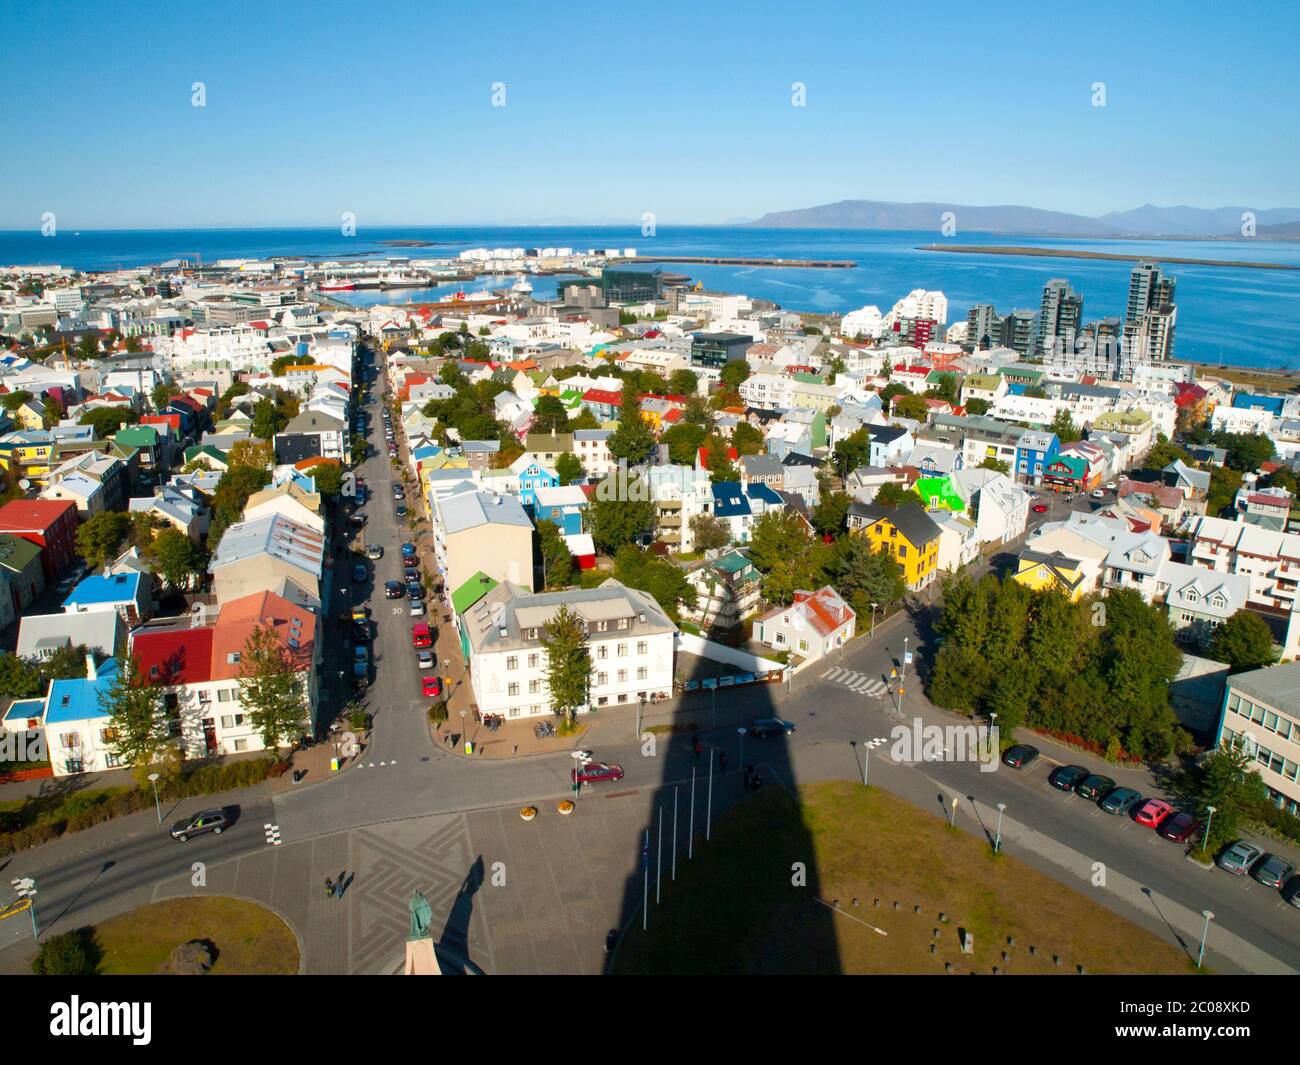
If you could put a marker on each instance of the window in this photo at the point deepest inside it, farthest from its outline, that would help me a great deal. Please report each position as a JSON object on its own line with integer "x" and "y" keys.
{"x": 205, "y": 696}
{"x": 223, "y": 696}
{"x": 642, "y": 647}
{"x": 641, "y": 673}
{"x": 70, "y": 741}
{"x": 107, "y": 735}
{"x": 534, "y": 686}
{"x": 241, "y": 745}
{"x": 602, "y": 679}
{"x": 113, "y": 760}
{"x": 512, "y": 662}
{"x": 602, "y": 652}
{"x": 622, "y": 676}
{"x": 512, "y": 689}
{"x": 622, "y": 650}
{"x": 532, "y": 661}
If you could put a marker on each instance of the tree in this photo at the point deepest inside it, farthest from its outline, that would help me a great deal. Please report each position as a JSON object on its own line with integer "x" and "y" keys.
{"x": 831, "y": 515}
{"x": 100, "y": 537}
{"x": 135, "y": 711}
{"x": 70, "y": 954}
{"x": 14, "y": 400}
{"x": 911, "y": 406}
{"x": 569, "y": 468}
{"x": 997, "y": 465}
{"x": 1064, "y": 428}
{"x": 945, "y": 387}
{"x": 709, "y": 533}
{"x": 853, "y": 451}
{"x": 259, "y": 454}
{"x": 1164, "y": 453}
{"x": 620, "y": 511}
{"x": 894, "y": 388}
{"x": 684, "y": 439}
{"x": 864, "y": 576}
{"x": 1230, "y": 784}
{"x": 161, "y": 393}
{"x": 1224, "y": 483}
{"x": 328, "y": 477}
{"x": 662, "y": 579}
{"x": 748, "y": 440}
{"x": 1244, "y": 641}
{"x": 107, "y": 420}
{"x": 176, "y": 558}
{"x": 232, "y": 492}
{"x": 19, "y": 677}
{"x": 633, "y": 439}
{"x": 784, "y": 550}
{"x": 281, "y": 364}
{"x": 270, "y": 689}
{"x": 892, "y": 494}
{"x": 550, "y": 415}
{"x": 568, "y": 663}
{"x": 734, "y": 374}
{"x": 718, "y": 460}
{"x": 683, "y": 382}
{"x": 1246, "y": 451}
{"x": 977, "y": 406}
{"x": 557, "y": 561}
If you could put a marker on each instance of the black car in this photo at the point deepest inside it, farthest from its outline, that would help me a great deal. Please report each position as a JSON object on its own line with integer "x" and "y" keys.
{"x": 1094, "y": 786}
{"x": 1020, "y": 756}
{"x": 414, "y": 591}
{"x": 1066, "y": 777}
{"x": 214, "y": 821}
{"x": 412, "y": 575}
{"x": 400, "y": 510}
{"x": 394, "y": 590}
{"x": 361, "y": 630}
{"x": 764, "y": 727}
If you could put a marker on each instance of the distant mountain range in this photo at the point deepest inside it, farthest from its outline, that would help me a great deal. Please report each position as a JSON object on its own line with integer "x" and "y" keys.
{"x": 1277, "y": 223}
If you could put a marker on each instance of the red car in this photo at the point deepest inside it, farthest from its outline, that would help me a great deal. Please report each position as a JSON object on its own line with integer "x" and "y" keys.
{"x": 1040, "y": 508}
{"x": 432, "y": 687}
{"x": 1180, "y": 828}
{"x": 420, "y": 635}
{"x": 1153, "y": 812}
{"x": 595, "y": 772}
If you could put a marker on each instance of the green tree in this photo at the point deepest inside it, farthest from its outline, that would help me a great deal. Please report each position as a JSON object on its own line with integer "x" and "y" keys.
{"x": 19, "y": 677}
{"x": 684, "y": 439}
{"x": 270, "y": 688}
{"x": 1224, "y": 483}
{"x": 135, "y": 711}
{"x": 633, "y": 439}
{"x": 1244, "y": 641}
{"x": 70, "y": 954}
{"x": 997, "y": 465}
{"x": 176, "y": 558}
{"x": 107, "y": 420}
{"x": 621, "y": 510}
{"x": 161, "y": 393}
{"x": 831, "y": 513}
{"x": 557, "y": 561}
{"x": 708, "y": 533}
{"x": 891, "y": 494}
{"x": 1162, "y": 454}
{"x": 734, "y": 374}
{"x": 568, "y": 663}
{"x": 853, "y": 452}
{"x": 864, "y": 576}
{"x": 550, "y": 415}
{"x": 662, "y": 579}
{"x": 100, "y": 537}
{"x": 1064, "y": 428}
{"x": 977, "y": 406}
{"x": 14, "y": 400}
{"x": 911, "y": 406}
{"x": 747, "y": 439}
{"x": 282, "y": 363}
{"x": 1231, "y": 785}
{"x": 328, "y": 477}
{"x": 569, "y": 468}
{"x": 788, "y": 556}
{"x": 683, "y": 383}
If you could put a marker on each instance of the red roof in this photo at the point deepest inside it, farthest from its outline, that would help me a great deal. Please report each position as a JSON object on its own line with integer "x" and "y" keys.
{"x": 34, "y": 514}
{"x": 176, "y": 656}
{"x": 173, "y": 420}
{"x": 603, "y": 395}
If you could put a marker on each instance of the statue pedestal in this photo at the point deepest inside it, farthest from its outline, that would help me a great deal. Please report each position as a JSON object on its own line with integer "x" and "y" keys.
{"x": 420, "y": 959}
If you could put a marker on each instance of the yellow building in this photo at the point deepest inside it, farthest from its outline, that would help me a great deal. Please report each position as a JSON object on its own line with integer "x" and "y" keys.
{"x": 908, "y": 533}
{"x": 1052, "y": 572}
{"x": 28, "y": 455}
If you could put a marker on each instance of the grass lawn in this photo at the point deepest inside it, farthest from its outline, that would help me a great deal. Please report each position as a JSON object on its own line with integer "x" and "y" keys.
{"x": 248, "y": 938}
{"x": 734, "y": 909}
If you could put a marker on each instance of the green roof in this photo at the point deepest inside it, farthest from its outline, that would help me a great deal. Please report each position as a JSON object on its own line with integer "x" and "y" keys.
{"x": 733, "y": 562}
{"x": 471, "y": 592}
{"x": 16, "y": 553}
{"x": 137, "y": 436}
{"x": 938, "y": 492}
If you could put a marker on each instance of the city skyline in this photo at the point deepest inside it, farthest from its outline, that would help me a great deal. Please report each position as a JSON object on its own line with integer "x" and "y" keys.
{"x": 678, "y": 112}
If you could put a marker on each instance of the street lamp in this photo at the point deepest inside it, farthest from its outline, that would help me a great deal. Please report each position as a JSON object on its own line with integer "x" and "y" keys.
{"x": 952, "y": 819}
{"x": 997, "y": 843}
{"x": 1209, "y": 821}
{"x": 873, "y": 618}
{"x": 153, "y": 779}
{"x": 1204, "y": 934}
{"x": 640, "y": 706}
{"x": 741, "y": 733}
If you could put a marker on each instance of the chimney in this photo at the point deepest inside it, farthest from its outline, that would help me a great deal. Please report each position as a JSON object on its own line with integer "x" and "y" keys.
{"x": 91, "y": 672}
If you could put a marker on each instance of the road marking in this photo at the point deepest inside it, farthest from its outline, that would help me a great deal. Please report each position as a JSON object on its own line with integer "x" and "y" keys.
{"x": 272, "y": 834}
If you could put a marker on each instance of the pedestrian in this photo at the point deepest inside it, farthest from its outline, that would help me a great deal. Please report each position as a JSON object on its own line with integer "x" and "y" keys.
{"x": 329, "y": 887}
{"x": 516, "y": 750}
{"x": 698, "y": 749}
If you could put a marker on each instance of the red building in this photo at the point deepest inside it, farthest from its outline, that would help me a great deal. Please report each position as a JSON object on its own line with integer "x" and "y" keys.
{"x": 50, "y": 523}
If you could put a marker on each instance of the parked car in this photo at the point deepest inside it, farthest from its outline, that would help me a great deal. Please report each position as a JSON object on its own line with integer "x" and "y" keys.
{"x": 1097, "y": 493}
{"x": 361, "y": 630}
{"x": 1274, "y": 870}
{"x": 400, "y": 510}
{"x": 394, "y": 590}
{"x": 414, "y": 591}
{"x": 1040, "y": 508}
{"x": 1067, "y": 776}
{"x": 1153, "y": 813}
{"x": 358, "y": 517}
{"x": 417, "y": 608}
{"x": 420, "y": 635}
{"x": 1181, "y": 828}
{"x": 214, "y": 821}
{"x": 399, "y": 492}
{"x": 1291, "y": 892}
{"x": 408, "y": 550}
{"x": 1121, "y": 801}
{"x": 431, "y": 686}
{"x": 1238, "y": 858}
{"x": 375, "y": 551}
{"x": 424, "y": 659}
{"x": 595, "y": 773}
{"x": 1021, "y": 756}
{"x": 764, "y": 727}
{"x": 1094, "y": 786}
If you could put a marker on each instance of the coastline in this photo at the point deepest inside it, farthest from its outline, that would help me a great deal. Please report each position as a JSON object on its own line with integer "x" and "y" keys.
{"x": 1066, "y": 253}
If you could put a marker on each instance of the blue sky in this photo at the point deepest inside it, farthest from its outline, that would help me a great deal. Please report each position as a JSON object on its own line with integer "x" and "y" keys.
{"x": 680, "y": 109}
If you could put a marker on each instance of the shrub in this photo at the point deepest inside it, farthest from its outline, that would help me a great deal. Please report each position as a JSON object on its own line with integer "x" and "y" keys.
{"x": 438, "y": 712}
{"x": 358, "y": 721}
{"x": 71, "y": 954}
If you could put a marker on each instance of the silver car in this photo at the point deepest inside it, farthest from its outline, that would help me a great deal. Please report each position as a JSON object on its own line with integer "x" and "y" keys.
{"x": 1238, "y": 858}
{"x": 425, "y": 659}
{"x": 1274, "y": 871}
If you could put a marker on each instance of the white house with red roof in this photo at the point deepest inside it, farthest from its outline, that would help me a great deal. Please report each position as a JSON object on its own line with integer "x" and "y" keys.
{"x": 810, "y": 627}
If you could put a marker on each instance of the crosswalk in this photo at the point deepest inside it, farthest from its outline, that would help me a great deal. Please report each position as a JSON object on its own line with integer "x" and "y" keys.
{"x": 863, "y": 684}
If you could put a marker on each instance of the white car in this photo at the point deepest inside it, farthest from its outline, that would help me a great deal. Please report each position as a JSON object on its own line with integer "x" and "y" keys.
{"x": 1097, "y": 493}
{"x": 417, "y": 608}
{"x": 425, "y": 659}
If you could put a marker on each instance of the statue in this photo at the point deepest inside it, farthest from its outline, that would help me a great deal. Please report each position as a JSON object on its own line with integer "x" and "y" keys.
{"x": 421, "y": 916}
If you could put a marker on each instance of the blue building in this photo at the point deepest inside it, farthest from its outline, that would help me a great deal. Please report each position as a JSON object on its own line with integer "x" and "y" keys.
{"x": 1249, "y": 401}
{"x": 565, "y": 506}
{"x": 1035, "y": 451}
{"x": 76, "y": 721}
{"x": 533, "y": 476}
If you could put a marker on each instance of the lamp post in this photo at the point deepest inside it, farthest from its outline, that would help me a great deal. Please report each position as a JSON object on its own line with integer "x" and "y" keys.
{"x": 640, "y": 706}
{"x": 866, "y": 762}
{"x": 873, "y": 618}
{"x": 1204, "y": 935}
{"x": 952, "y": 817}
{"x": 997, "y": 843}
{"x": 741, "y": 733}
{"x": 1209, "y": 821}
{"x": 26, "y": 888}
{"x": 153, "y": 779}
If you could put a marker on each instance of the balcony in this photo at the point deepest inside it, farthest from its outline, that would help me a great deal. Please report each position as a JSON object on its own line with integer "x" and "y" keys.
{"x": 670, "y": 521}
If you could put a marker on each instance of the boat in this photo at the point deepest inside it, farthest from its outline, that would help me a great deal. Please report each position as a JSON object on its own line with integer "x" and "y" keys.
{"x": 521, "y": 285}
{"x": 333, "y": 284}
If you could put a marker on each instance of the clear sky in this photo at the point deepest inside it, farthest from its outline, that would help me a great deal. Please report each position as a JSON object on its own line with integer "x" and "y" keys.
{"x": 618, "y": 108}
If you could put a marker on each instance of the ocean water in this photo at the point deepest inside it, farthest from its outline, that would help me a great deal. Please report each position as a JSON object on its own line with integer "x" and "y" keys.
{"x": 1230, "y": 315}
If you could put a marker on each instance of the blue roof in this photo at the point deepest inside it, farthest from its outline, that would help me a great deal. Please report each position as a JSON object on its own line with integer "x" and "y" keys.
{"x": 428, "y": 451}
{"x": 729, "y": 499}
{"x": 25, "y": 709}
{"x": 99, "y": 589}
{"x": 765, "y": 492}
{"x": 78, "y": 700}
